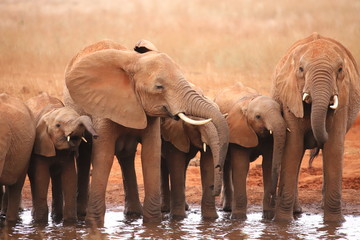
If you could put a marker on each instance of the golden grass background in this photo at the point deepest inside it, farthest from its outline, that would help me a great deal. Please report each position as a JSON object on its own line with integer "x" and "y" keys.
{"x": 215, "y": 42}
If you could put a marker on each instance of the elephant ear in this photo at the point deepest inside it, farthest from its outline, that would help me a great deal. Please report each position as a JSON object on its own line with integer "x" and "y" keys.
{"x": 43, "y": 145}
{"x": 241, "y": 132}
{"x": 285, "y": 89}
{"x": 173, "y": 131}
{"x": 101, "y": 85}
{"x": 5, "y": 141}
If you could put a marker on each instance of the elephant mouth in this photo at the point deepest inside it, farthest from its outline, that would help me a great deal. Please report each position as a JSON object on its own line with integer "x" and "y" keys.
{"x": 333, "y": 103}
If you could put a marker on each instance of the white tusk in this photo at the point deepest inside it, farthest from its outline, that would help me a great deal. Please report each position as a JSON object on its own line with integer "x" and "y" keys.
{"x": 288, "y": 129}
{"x": 336, "y": 102}
{"x": 204, "y": 147}
{"x": 84, "y": 139}
{"x": 305, "y": 95}
{"x": 193, "y": 122}
{"x": 225, "y": 115}
{"x": 270, "y": 132}
{"x": 68, "y": 138}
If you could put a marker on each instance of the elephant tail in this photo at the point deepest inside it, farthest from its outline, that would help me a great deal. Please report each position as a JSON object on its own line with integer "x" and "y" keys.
{"x": 313, "y": 154}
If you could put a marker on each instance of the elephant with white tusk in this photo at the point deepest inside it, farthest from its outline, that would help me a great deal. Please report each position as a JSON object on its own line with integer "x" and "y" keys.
{"x": 126, "y": 92}
{"x": 317, "y": 85}
{"x": 256, "y": 128}
{"x": 17, "y": 136}
{"x": 59, "y": 132}
{"x": 181, "y": 142}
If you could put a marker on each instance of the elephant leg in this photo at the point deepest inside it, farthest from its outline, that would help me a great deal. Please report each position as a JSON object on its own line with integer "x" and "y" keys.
{"x": 39, "y": 176}
{"x": 240, "y": 164}
{"x": 227, "y": 190}
{"x": 69, "y": 183}
{"x": 132, "y": 201}
{"x": 3, "y": 200}
{"x": 57, "y": 196}
{"x": 150, "y": 159}
{"x": 165, "y": 188}
{"x": 208, "y": 209}
{"x": 14, "y": 199}
{"x": 83, "y": 176}
{"x": 102, "y": 159}
{"x": 290, "y": 166}
{"x": 268, "y": 198}
{"x": 176, "y": 162}
{"x": 297, "y": 209}
{"x": 333, "y": 156}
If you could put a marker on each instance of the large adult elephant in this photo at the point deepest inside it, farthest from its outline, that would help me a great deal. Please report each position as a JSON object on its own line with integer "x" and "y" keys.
{"x": 17, "y": 136}
{"x": 317, "y": 85}
{"x": 181, "y": 142}
{"x": 126, "y": 92}
{"x": 256, "y": 128}
{"x": 59, "y": 131}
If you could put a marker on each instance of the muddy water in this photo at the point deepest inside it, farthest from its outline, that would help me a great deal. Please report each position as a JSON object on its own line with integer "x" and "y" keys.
{"x": 307, "y": 226}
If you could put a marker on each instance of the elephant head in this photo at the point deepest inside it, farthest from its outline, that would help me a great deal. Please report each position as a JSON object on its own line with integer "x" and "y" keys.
{"x": 318, "y": 71}
{"x": 255, "y": 117}
{"x": 126, "y": 86}
{"x": 59, "y": 129}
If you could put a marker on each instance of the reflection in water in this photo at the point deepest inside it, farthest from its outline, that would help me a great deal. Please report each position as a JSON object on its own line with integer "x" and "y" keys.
{"x": 308, "y": 226}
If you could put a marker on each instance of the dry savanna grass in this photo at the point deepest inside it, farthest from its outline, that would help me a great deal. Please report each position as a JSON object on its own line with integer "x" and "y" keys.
{"x": 215, "y": 42}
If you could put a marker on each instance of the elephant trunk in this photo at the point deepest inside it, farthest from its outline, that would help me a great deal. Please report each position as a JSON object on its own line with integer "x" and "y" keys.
{"x": 87, "y": 123}
{"x": 319, "y": 108}
{"x": 212, "y": 137}
{"x": 199, "y": 106}
{"x": 278, "y": 127}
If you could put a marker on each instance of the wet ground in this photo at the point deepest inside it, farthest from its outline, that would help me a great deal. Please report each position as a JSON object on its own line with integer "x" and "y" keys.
{"x": 307, "y": 226}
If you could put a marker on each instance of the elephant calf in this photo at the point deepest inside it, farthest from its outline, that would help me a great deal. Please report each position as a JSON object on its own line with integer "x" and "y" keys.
{"x": 256, "y": 128}
{"x": 17, "y": 135}
{"x": 59, "y": 131}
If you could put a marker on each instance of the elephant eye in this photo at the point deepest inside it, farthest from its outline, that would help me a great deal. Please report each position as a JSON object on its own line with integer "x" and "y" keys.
{"x": 257, "y": 116}
{"x": 340, "y": 70}
{"x": 159, "y": 86}
{"x": 57, "y": 125}
{"x": 301, "y": 69}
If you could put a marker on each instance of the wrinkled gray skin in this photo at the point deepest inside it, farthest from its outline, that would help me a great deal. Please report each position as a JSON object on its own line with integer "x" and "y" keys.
{"x": 325, "y": 70}
{"x": 181, "y": 142}
{"x": 256, "y": 128}
{"x": 17, "y": 135}
{"x": 126, "y": 92}
{"x": 59, "y": 131}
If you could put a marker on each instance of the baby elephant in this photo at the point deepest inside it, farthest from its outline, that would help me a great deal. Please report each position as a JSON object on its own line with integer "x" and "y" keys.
{"x": 256, "y": 128}
{"x": 59, "y": 131}
{"x": 17, "y": 135}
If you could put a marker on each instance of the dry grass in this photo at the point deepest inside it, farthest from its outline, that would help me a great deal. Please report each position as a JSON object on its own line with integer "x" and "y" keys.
{"x": 215, "y": 43}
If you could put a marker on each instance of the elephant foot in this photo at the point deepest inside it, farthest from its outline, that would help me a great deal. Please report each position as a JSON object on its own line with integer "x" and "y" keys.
{"x": 283, "y": 217}
{"x": 56, "y": 217}
{"x": 337, "y": 218}
{"x": 69, "y": 222}
{"x": 268, "y": 214}
{"x": 226, "y": 208}
{"x": 209, "y": 215}
{"x": 297, "y": 209}
{"x": 133, "y": 210}
{"x": 132, "y": 215}
{"x": 177, "y": 217}
{"x": 238, "y": 216}
{"x": 152, "y": 219}
{"x": 81, "y": 216}
{"x": 94, "y": 222}
{"x": 165, "y": 208}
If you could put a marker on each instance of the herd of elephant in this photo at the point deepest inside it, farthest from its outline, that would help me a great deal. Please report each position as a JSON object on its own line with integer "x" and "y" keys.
{"x": 115, "y": 99}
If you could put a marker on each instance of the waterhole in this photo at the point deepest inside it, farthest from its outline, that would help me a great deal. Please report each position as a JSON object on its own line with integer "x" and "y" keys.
{"x": 307, "y": 226}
